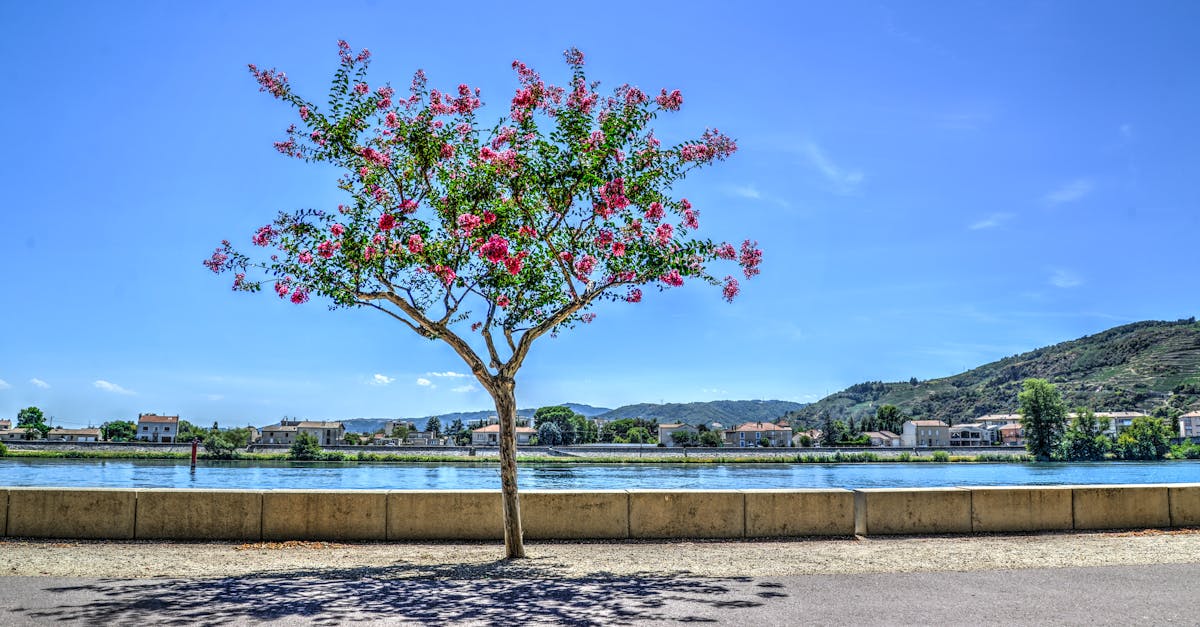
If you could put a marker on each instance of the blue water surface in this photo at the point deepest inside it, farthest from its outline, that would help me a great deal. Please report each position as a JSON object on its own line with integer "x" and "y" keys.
{"x": 459, "y": 476}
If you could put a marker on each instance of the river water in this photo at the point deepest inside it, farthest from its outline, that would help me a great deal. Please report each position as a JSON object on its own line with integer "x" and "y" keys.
{"x": 460, "y": 476}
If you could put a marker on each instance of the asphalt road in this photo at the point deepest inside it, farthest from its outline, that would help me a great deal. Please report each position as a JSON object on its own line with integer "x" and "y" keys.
{"x": 1108, "y": 595}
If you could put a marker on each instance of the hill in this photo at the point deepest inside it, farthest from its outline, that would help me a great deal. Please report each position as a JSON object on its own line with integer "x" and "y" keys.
{"x": 726, "y": 412}
{"x": 1134, "y": 367}
{"x": 369, "y": 425}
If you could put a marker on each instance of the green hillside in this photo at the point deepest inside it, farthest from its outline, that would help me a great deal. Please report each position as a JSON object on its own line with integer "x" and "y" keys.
{"x": 728, "y": 413}
{"x": 1128, "y": 368}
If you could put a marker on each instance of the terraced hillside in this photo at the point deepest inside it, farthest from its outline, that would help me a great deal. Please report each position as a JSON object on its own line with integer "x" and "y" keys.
{"x": 1132, "y": 367}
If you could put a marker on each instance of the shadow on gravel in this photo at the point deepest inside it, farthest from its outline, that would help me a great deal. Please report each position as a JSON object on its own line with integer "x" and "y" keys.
{"x": 500, "y": 592}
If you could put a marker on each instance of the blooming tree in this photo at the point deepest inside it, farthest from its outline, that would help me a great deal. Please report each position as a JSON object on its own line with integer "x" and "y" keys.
{"x": 487, "y": 237}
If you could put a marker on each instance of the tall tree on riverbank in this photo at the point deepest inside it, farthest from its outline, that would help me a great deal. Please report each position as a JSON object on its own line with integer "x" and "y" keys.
{"x": 488, "y": 237}
{"x": 1043, "y": 417}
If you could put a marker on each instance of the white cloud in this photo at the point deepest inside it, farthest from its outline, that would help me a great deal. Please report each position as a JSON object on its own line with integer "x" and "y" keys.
{"x": 449, "y": 373}
{"x": 39, "y": 383}
{"x": 1127, "y": 131}
{"x": 845, "y": 180}
{"x": 111, "y": 387}
{"x": 425, "y": 383}
{"x": 990, "y": 222}
{"x": 1065, "y": 279}
{"x": 380, "y": 379}
{"x": 4, "y": 384}
{"x": 746, "y": 191}
{"x": 215, "y": 397}
{"x": 463, "y": 389}
{"x": 1069, "y": 192}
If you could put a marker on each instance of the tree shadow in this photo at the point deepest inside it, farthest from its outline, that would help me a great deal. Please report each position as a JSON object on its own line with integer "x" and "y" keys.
{"x": 502, "y": 592}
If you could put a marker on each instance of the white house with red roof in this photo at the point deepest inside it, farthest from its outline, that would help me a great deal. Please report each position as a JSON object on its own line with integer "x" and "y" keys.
{"x": 155, "y": 428}
{"x": 755, "y": 433}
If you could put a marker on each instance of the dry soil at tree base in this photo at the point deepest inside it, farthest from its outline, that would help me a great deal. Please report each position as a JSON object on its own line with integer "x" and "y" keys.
{"x": 556, "y": 560}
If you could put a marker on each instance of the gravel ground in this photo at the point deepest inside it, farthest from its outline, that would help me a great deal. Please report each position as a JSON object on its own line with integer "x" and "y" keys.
{"x": 125, "y": 560}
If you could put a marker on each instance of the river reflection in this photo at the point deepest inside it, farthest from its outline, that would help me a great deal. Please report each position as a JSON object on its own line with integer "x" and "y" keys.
{"x": 470, "y": 476}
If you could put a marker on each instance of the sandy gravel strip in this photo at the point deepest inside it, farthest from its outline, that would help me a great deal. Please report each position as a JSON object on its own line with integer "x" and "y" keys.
{"x": 553, "y": 560}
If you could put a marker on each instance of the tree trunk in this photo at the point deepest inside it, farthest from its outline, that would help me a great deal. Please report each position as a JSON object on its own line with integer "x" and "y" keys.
{"x": 506, "y": 410}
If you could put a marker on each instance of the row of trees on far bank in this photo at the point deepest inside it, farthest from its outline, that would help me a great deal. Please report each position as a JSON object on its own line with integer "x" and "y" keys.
{"x": 1049, "y": 435}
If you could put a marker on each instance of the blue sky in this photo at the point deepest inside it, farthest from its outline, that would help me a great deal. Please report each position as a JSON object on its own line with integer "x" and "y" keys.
{"x": 935, "y": 185}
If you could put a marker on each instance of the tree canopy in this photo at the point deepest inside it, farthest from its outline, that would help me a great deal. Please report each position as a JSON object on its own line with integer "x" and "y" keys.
{"x": 1043, "y": 417}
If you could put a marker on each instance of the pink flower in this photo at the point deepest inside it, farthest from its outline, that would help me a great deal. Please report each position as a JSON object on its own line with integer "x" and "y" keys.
{"x": 361, "y": 88}
{"x": 604, "y": 238}
{"x": 689, "y": 219}
{"x": 444, "y": 273}
{"x": 618, "y": 249}
{"x": 415, "y": 244}
{"x": 447, "y": 151}
{"x": 337, "y": 229}
{"x": 655, "y": 212}
{"x": 469, "y": 222}
{"x": 299, "y": 296}
{"x": 264, "y": 236}
{"x": 283, "y": 287}
{"x": 663, "y": 233}
{"x": 513, "y": 264}
{"x": 215, "y": 262}
{"x": 635, "y": 296}
{"x": 303, "y": 113}
{"x": 238, "y": 280}
{"x": 527, "y": 231}
{"x": 671, "y": 101}
{"x": 305, "y": 257}
{"x": 270, "y": 81}
{"x": 374, "y": 156}
{"x": 731, "y": 288}
{"x": 391, "y": 119}
{"x": 495, "y": 249}
{"x": 672, "y": 278}
{"x": 573, "y": 56}
{"x": 502, "y": 301}
{"x": 584, "y": 266}
{"x": 387, "y": 222}
{"x": 488, "y": 217}
{"x": 587, "y": 318}
{"x": 475, "y": 326}
{"x": 726, "y": 251}
{"x": 408, "y": 206}
{"x": 325, "y": 249}
{"x": 750, "y": 259}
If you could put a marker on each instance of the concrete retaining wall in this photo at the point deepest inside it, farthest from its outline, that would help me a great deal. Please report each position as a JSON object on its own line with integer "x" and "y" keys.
{"x": 348, "y": 515}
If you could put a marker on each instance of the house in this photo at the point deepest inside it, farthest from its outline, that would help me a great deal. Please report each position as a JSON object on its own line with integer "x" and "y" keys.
{"x": 997, "y": 420}
{"x": 282, "y": 433}
{"x": 813, "y": 435}
{"x": 8, "y": 435}
{"x": 326, "y": 433}
{"x": 1012, "y": 435}
{"x": 925, "y": 433}
{"x": 971, "y": 434}
{"x": 883, "y": 438}
{"x": 255, "y": 434}
{"x": 1117, "y": 421}
{"x": 73, "y": 435}
{"x": 490, "y": 435}
{"x": 155, "y": 428}
{"x": 1189, "y": 425}
{"x": 5, "y": 424}
{"x": 666, "y": 433}
{"x": 754, "y": 433}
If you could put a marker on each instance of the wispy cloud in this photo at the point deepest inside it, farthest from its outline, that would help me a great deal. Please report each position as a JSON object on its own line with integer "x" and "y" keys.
{"x": 425, "y": 383}
{"x": 111, "y": 387}
{"x": 39, "y": 383}
{"x": 380, "y": 379}
{"x": 1065, "y": 279}
{"x": 215, "y": 397}
{"x": 463, "y": 389}
{"x": 963, "y": 121}
{"x": 1071, "y": 191}
{"x": 751, "y": 192}
{"x": 991, "y": 222}
{"x": 4, "y": 385}
{"x": 1126, "y": 131}
{"x": 844, "y": 179}
{"x": 448, "y": 374}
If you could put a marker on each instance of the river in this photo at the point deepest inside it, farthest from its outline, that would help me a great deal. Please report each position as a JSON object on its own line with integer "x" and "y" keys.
{"x": 462, "y": 476}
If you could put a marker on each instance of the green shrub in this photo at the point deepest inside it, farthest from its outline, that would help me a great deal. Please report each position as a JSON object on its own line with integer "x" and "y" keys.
{"x": 306, "y": 447}
{"x": 941, "y": 456}
{"x": 3, "y": 449}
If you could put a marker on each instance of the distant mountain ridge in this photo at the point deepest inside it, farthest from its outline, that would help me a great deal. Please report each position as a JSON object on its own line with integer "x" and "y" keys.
{"x": 725, "y": 412}
{"x": 1133, "y": 367}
